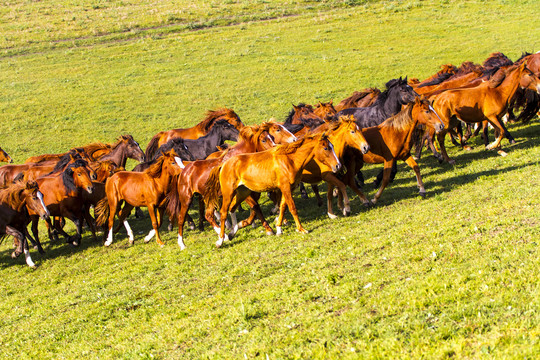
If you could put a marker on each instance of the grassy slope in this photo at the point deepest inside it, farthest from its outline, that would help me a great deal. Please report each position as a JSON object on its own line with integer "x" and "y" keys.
{"x": 454, "y": 274}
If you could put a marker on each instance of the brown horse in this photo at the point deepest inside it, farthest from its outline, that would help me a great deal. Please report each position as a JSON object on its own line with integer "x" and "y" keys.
{"x": 487, "y": 101}
{"x": 305, "y": 115}
{"x": 325, "y": 111}
{"x": 446, "y": 71}
{"x": 279, "y": 168}
{"x": 13, "y": 215}
{"x": 125, "y": 147}
{"x": 194, "y": 132}
{"x": 363, "y": 98}
{"x": 62, "y": 197}
{"x": 391, "y": 141}
{"x": 146, "y": 188}
{"x": 4, "y": 157}
{"x": 193, "y": 178}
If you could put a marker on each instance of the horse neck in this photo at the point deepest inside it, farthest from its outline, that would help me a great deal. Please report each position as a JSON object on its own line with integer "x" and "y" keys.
{"x": 401, "y": 137}
{"x": 509, "y": 85}
{"x": 118, "y": 155}
{"x": 162, "y": 182}
{"x": 303, "y": 155}
{"x": 391, "y": 106}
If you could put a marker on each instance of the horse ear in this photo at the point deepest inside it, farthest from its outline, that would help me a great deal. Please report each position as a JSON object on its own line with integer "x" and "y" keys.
{"x": 295, "y": 107}
{"x": 331, "y": 102}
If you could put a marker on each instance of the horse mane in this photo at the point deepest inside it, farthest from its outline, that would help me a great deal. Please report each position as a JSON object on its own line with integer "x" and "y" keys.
{"x": 213, "y": 115}
{"x": 67, "y": 175}
{"x": 171, "y": 144}
{"x": 468, "y": 67}
{"x": 446, "y": 72}
{"x": 496, "y": 60}
{"x": 401, "y": 120}
{"x": 523, "y": 56}
{"x": 65, "y": 159}
{"x": 11, "y": 195}
{"x": 90, "y": 149}
{"x": 343, "y": 120}
{"x": 498, "y": 77}
{"x": 154, "y": 170}
{"x": 288, "y": 119}
{"x": 290, "y": 148}
{"x": 293, "y": 128}
{"x": 248, "y": 133}
{"x": 352, "y": 100}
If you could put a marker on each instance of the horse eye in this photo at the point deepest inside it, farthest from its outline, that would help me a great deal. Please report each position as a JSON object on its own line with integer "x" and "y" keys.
{"x": 278, "y": 130}
{"x": 79, "y": 174}
{"x": 352, "y": 131}
{"x": 34, "y": 198}
{"x": 326, "y": 148}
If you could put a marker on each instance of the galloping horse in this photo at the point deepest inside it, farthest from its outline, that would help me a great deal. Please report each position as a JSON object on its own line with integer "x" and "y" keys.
{"x": 193, "y": 178}
{"x": 488, "y": 101}
{"x": 391, "y": 141}
{"x": 389, "y": 102}
{"x": 279, "y": 168}
{"x": 4, "y": 157}
{"x": 138, "y": 189}
{"x": 195, "y": 132}
{"x": 13, "y": 215}
{"x": 62, "y": 198}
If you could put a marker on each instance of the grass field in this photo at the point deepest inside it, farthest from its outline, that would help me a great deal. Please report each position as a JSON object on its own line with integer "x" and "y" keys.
{"x": 451, "y": 276}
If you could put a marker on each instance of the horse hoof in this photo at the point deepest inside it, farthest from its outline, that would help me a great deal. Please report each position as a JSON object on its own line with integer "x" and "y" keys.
{"x": 269, "y": 232}
{"x": 332, "y": 216}
{"x": 502, "y": 153}
{"x": 346, "y": 212}
{"x": 373, "y": 202}
{"x": 467, "y": 148}
{"x": 512, "y": 141}
{"x": 422, "y": 194}
{"x": 452, "y": 162}
{"x": 170, "y": 227}
{"x": 192, "y": 227}
{"x": 368, "y": 204}
{"x": 230, "y": 236}
{"x": 14, "y": 255}
{"x": 302, "y": 231}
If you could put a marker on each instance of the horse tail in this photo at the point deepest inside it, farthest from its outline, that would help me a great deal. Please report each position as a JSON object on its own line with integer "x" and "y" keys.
{"x": 173, "y": 198}
{"x": 152, "y": 147}
{"x": 212, "y": 188}
{"x": 102, "y": 211}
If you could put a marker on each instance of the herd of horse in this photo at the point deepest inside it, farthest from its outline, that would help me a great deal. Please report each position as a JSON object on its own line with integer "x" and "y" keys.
{"x": 314, "y": 144}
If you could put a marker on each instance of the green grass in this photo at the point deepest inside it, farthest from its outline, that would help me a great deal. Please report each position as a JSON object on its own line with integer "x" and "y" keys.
{"x": 451, "y": 276}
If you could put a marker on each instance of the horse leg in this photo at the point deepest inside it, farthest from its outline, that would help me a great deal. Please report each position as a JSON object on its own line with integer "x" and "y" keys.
{"x": 225, "y": 204}
{"x": 507, "y": 134}
{"x": 332, "y": 181}
{"x": 377, "y": 181}
{"x": 287, "y": 197}
{"x": 497, "y": 125}
{"x": 303, "y": 192}
{"x": 256, "y": 209}
{"x": 90, "y": 222}
{"x": 440, "y": 139}
{"x": 155, "y": 226}
{"x": 386, "y": 179}
{"x": 35, "y": 243}
{"x": 185, "y": 202}
{"x": 113, "y": 204}
{"x": 315, "y": 189}
{"x": 122, "y": 219}
{"x": 22, "y": 246}
{"x": 410, "y": 161}
{"x": 201, "y": 215}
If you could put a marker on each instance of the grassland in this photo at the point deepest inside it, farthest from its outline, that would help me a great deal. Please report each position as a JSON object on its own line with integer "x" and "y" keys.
{"x": 451, "y": 276}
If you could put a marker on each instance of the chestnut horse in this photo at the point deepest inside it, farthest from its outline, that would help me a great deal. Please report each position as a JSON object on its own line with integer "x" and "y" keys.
{"x": 487, "y": 101}
{"x": 363, "y": 98}
{"x": 279, "y": 168}
{"x": 62, "y": 197}
{"x": 146, "y": 188}
{"x": 194, "y": 132}
{"x": 305, "y": 115}
{"x": 13, "y": 215}
{"x": 4, "y": 157}
{"x": 193, "y": 178}
{"x": 325, "y": 111}
{"x": 391, "y": 141}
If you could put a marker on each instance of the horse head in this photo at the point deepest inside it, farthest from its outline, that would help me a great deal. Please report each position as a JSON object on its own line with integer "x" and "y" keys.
{"x": 225, "y": 130}
{"x": 424, "y": 112}
{"x": 401, "y": 91}
{"x": 133, "y": 149}
{"x": 528, "y": 79}
{"x": 77, "y": 175}
{"x": 348, "y": 131}
{"x": 325, "y": 153}
{"x": 280, "y": 134}
{"x": 33, "y": 199}
{"x": 5, "y": 157}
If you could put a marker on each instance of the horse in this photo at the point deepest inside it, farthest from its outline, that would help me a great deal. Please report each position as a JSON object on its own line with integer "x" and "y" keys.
{"x": 194, "y": 132}
{"x": 487, "y": 101}
{"x": 176, "y": 144}
{"x": 62, "y": 197}
{"x": 125, "y": 148}
{"x": 202, "y": 147}
{"x": 389, "y": 102}
{"x": 4, "y": 157}
{"x": 146, "y": 188}
{"x": 305, "y": 115}
{"x": 325, "y": 111}
{"x": 446, "y": 72}
{"x": 193, "y": 178}
{"x": 363, "y": 98}
{"x": 391, "y": 141}
{"x": 15, "y": 202}
{"x": 527, "y": 100}
{"x": 279, "y": 168}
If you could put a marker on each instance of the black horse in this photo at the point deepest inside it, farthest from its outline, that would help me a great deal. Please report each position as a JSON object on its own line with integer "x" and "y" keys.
{"x": 179, "y": 147}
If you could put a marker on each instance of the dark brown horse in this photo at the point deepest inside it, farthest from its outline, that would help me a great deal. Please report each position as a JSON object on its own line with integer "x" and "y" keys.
{"x": 194, "y": 132}
{"x": 4, "y": 157}
{"x": 146, "y": 188}
{"x": 62, "y": 197}
{"x": 487, "y": 101}
{"x": 305, "y": 115}
{"x": 15, "y": 202}
{"x": 279, "y": 168}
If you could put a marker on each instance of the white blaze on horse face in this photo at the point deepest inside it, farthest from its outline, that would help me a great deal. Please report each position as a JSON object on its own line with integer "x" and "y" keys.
{"x": 269, "y": 139}
{"x": 290, "y": 135}
{"x": 179, "y": 162}
{"x": 334, "y": 153}
{"x": 128, "y": 229}
{"x": 438, "y": 117}
{"x": 40, "y": 197}
{"x": 150, "y": 235}
{"x": 109, "y": 238}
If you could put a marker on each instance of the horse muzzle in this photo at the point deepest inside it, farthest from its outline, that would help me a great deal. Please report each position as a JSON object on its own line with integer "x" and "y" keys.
{"x": 336, "y": 167}
{"x": 365, "y": 148}
{"x": 439, "y": 128}
{"x": 89, "y": 189}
